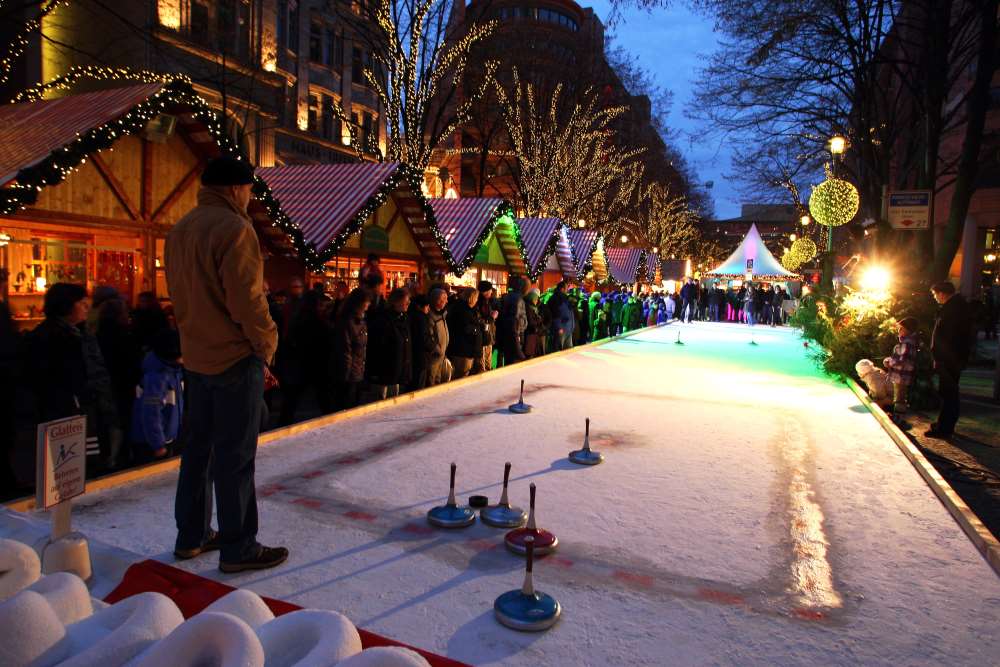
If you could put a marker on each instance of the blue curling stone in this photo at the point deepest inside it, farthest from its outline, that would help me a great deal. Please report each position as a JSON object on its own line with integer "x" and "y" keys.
{"x": 451, "y": 516}
{"x": 586, "y": 457}
{"x": 503, "y": 516}
{"x": 527, "y": 613}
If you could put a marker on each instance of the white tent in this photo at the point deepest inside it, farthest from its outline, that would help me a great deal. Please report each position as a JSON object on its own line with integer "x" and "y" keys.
{"x": 752, "y": 257}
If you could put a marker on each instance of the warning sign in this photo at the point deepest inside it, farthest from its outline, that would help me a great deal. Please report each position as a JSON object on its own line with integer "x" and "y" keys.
{"x": 909, "y": 209}
{"x": 62, "y": 460}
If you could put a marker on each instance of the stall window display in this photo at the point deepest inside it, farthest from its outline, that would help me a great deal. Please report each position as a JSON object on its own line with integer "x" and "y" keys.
{"x": 32, "y": 260}
{"x": 397, "y": 273}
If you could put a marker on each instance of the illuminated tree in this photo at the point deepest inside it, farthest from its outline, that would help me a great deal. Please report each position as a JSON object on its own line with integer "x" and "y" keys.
{"x": 568, "y": 164}
{"x": 670, "y": 221}
{"x": 419, "y": 61}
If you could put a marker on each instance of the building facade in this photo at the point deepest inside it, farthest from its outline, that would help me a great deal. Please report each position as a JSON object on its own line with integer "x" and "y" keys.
{"x": 274, "y": 68}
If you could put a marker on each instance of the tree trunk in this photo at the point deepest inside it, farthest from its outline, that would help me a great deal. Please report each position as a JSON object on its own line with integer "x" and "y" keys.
{"x": 968, "y": 165}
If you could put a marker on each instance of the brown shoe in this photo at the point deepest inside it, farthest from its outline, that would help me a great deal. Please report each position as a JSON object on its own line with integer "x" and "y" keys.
{"x": 211, "y": 543}
{"x": 265, "y": 558}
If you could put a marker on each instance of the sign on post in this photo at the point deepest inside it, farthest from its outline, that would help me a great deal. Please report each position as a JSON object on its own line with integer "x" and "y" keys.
{"x": 909, "y": 209}
{"x": 62, "y": 460}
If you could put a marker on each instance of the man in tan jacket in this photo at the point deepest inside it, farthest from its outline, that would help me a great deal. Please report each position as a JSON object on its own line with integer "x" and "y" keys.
{"x": 215, "y": 275}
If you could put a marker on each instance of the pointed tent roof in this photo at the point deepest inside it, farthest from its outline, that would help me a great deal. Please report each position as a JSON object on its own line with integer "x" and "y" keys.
{"x": 623, "y": 264}
{"x": 752, "y": 257}
{"x": 583, "y": 245}
{"x": 539, "y": 236}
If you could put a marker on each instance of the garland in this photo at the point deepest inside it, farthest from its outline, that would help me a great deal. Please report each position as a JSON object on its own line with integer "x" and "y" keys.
{"x": 550, "y": 248}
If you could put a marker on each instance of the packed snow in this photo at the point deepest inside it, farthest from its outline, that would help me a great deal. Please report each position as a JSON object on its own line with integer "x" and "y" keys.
{"x": 749, "y": 511}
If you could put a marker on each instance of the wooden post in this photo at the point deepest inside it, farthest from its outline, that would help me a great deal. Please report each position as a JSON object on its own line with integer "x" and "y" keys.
{"x": 61, "y": 519}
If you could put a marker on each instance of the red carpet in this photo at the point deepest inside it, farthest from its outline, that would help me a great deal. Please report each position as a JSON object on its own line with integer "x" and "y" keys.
{"x": 192, "y": 593}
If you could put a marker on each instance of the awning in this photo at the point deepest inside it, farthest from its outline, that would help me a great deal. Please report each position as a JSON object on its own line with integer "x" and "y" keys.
{"x": 564, "y": 255}
{"x": 583, "y": 244}
{"x": 623, "y": 264}
{"x": 652, "y": 268}
{"x": 40, "y": 142}
{"x": 465, "y": 224}
{"x": 539, "y": 236}
{"x": 32, "y": 131}
{"x": 331, "y": 202}
{"x": 509, "y": 236}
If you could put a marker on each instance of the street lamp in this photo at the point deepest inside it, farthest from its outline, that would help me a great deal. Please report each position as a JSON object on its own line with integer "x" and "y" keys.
{"x": 792, "y": 237}
{"x": 838, "y": 145}
{"x": 805, "y": 220}
{"x": 624, "y": 238}
{"x": 581, "y": 223}
{"x": 656, "y": 250}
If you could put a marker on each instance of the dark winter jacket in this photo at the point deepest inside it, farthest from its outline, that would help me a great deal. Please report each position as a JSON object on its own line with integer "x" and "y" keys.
{"x": 159, "y": 404}
{"x": 485, "y": 307}
{"x": 420, "y": 336}
{"x": 350, "y": 346}
{"x": 389, "y": 356}
{"x": 465, "y": 331}
{"x": 951, "y": 341}
{"x": 562, "y": 313}
{"x": 511, "y": 325}
{"x": 55, "y": 371}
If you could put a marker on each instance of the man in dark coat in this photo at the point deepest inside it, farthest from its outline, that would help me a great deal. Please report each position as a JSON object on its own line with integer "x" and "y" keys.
{"x": 689, "y": 299}
{"x": 390, "y": 360}
{"x": 951, "y": 343}
{"x": 513, "y": 322}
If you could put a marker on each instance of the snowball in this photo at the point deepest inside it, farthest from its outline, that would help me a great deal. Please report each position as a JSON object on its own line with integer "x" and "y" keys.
{"x": 244, "y": 605}
{"x": 66, "y": 594}
{"x": 309, "y": 638}
{"x": 32, "y": 633}
{"x": 19, "y": 568}
{"x": 115, "y": 635}
{"x": 69, "y": 553}
{"x": 208, "y": 639}
{"x": 385, "y": 656}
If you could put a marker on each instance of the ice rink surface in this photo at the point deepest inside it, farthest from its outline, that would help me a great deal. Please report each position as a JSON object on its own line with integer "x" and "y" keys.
{"x": 749, "y": 512}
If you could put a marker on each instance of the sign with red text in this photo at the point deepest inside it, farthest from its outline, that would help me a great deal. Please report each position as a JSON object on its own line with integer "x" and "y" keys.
{"x": 909, "y": 209}
{"x": 62, "y": 460}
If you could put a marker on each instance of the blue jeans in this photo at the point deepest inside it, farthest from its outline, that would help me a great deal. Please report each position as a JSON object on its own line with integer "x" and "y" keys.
{"x": 220, "y": 447}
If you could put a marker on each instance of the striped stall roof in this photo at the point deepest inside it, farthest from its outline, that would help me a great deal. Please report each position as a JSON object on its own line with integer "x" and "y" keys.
{"x": 465, "y": 223}
{"x": 583, "y": 243}
{"x": 509, "y": 237}
{"x": 652, "y": 267}
{"x": 564, "y": 255}
{"x": 328, "y": 202}
{"x": 538, "y": 235}
{"x": 31, "y": 131}
{"x": 623, "y": 264}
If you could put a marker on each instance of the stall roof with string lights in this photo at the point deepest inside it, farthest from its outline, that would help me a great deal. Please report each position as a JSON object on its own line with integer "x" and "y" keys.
{"x": 466, "y": 224}
{"x": 331, "y": 203}
{"x": 652, "y": 271}
{"x": 624, "y": 264}
{"x": 90, "y": 184}
{"x": 540, "y": 236}
{"x": 752, "y": 258}
{"x": 584, "y": 244}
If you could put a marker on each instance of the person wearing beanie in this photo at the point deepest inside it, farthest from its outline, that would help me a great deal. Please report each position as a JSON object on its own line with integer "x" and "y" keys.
{"x": 215, "y": 274}
{"x": 489, "y": 310}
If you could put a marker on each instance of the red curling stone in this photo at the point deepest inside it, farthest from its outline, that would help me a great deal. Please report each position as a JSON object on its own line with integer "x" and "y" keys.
{"x": 545, "y": 542}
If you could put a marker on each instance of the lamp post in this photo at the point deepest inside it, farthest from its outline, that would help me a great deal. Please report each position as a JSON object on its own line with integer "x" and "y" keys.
{"x": 838, "y": 145}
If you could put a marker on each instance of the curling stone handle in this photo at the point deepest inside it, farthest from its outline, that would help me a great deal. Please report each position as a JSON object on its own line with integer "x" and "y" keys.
{"x": 532, "y": 492}
{"x": 529, "y": 545}
{"x": 587, "y": 431}
{"x": 521, "y": 398}
{"x": 506, "y": 473}
{"x": 453, "y": 469}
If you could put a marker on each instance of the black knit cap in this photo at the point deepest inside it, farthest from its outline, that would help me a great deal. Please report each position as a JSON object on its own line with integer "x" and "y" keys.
{"x": 227, "y": 171}
{"x": 485, "y": 285}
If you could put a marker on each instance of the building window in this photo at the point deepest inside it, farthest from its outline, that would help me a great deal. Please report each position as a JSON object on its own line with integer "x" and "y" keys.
{"x": 329, "y": 115}
{"x": 357, "y": 65}
{"x": 367, "y": 123}
{"x": 313, "y": 114}
{"x": 293, "y": 26}
{"x": 316, "y": 42}
{"x": 334, "y": 50}
{"x": 282, "y": 24}
{"x": 199, "y": 28}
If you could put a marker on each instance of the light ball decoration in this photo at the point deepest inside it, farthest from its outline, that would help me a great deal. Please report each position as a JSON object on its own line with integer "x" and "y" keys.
{"x": 804, "y": 249}
{"x": 790, "y": 261}
{"x": 834, "y": 202}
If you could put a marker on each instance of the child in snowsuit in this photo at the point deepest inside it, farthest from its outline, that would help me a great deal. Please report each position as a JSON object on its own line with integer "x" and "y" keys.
{"x": 159, "y": 401}
{"x": 902, "y": 364}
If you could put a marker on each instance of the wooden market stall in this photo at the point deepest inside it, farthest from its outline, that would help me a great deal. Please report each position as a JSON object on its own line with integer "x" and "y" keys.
{"x": 346, "y": 211}
{"x": 91, "y": 183}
